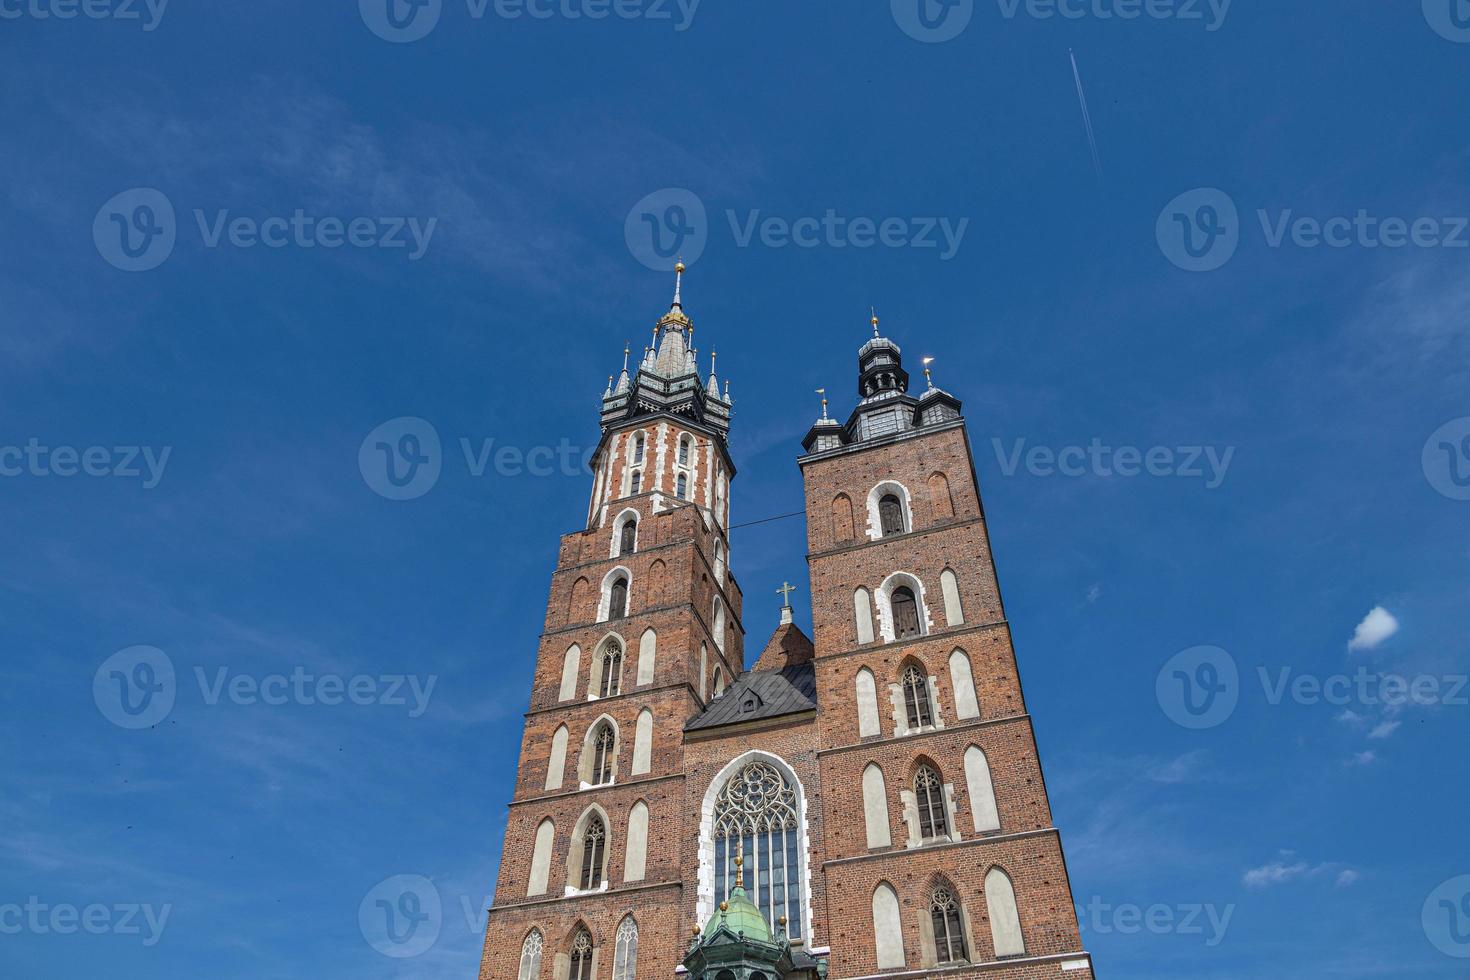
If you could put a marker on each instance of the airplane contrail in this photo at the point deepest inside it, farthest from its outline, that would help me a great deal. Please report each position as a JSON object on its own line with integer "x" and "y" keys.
{"x": 1086, "y": 116}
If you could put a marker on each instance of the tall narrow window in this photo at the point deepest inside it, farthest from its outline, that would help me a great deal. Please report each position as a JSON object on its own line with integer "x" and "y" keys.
{"x": 916, "y": 698}
{"x": 682, "y": 487}
{"x": 684, "y": 451}
{"x": 612, "y": 669}
{"x": 604, "y": 748}
{"x": 617, "y": 603}
{"x": 629, "y": 538}
{"x": 949, "y": 934}
{"x": 890, "y": 514}
{"x": 638, "y": 448}
{"x": 905, "y": 613}
{"x": 594, "y": 848}
{"x": 625, "y": 960}
{"x": 531, "y": 957}
{"x": 757, "y": 811}
{"x": 635, "y": 485}
{"x": 929, "y": 792}
{"x": 581, "y": 957}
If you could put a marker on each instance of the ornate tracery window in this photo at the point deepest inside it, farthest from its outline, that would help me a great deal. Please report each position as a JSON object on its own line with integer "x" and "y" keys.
{"x": 531, "y": 957}
{"x": 604, "y": 749}
{"x": 612, "y": 669}
{"x": 594, "y": 847}
{"x": 929, "y": 793}
{"x": 582, "y": 956}
{"x": 949, "y": 934}
{"x": 916, "y": 702}
{"x": 625, "y": 959}
{"x": 756, "y": 813}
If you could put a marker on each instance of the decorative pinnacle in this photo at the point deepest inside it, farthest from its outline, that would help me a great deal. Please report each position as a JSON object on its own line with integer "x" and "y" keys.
{"x": 929, "y": 374}
{"x": 740, "y": 864}
{"x": 874, "y": 310}
{"x": 679, "y": 282}
{"x": 823, "y": 393}
{"x": 627, "y": 348}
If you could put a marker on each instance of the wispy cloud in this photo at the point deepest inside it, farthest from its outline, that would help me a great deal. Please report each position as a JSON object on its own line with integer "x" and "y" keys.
{"x": 1384, "y": 729}
{"x": 1287, "y": 870}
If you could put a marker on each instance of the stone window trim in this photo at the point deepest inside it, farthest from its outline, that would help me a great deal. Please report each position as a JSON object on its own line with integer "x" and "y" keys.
{"x": 873, "y": 530}
{"x": 899, "y": 701}
{"x": 952, "y": 845}
{"x": 626, "y": 516}
{"x": 867, "y": 745}
{"x": 604, "y": 601}
{"x": 883, "y": 607}
{"x": 950, "y": 636}
{"x": 575, "y": 853}
{"x": 595, "y": 666}
{"x": 861, "y": 544}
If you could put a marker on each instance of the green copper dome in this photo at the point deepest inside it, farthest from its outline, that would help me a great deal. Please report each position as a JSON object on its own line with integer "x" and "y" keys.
{"x": 740, "y": 915}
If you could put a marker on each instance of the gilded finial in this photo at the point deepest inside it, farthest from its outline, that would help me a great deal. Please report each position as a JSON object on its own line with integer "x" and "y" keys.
{"x": 823, "y": 393}
{"x": 678, "y": 282}
{"x": 697, "y": 930}
{"x": 929, "y": 374}
{"x": 874, "y": 310}
{"x": 724, "y": 906}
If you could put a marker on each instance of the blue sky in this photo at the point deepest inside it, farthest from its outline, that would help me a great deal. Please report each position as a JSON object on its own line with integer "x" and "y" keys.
{"x": 1291, "y": 836}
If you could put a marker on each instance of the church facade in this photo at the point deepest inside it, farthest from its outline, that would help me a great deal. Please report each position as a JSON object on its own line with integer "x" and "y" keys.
{"x": 871, "y": 794}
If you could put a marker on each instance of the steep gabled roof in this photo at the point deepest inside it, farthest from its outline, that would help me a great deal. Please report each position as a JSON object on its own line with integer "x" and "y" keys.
{"x": 760, "y": 694}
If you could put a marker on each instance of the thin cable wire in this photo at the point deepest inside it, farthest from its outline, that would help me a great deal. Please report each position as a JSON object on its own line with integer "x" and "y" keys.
{"x": 767, "y": 520}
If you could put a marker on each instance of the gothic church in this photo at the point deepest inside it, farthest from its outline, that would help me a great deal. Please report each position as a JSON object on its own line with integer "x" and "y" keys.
{"x": 865, "y": 802}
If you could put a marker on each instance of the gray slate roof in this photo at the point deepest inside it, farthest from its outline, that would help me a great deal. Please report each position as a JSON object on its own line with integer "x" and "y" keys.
{"x": 761, "y": 694}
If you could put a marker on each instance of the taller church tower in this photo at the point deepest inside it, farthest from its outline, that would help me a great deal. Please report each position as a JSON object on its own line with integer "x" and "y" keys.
{"x": 865, "y": 804}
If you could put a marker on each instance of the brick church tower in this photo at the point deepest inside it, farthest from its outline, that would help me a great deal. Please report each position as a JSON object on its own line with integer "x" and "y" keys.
{"x": 872, "y": 793}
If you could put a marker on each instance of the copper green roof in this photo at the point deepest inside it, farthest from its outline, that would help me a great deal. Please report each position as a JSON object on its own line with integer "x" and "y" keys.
{"x": 740, "y": 916}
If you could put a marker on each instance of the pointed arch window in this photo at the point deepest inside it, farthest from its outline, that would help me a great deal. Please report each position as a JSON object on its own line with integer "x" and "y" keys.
{"x": 757, "y": 811}
{"x": 635, "y": 485}
{"x": 612, "y": 669}
{"x": 916, "y": 698}
{"x": 890, "y": 514}
{"x": 617, "y": 601}
{"x": 594, "y": 849}
{"x": 684, "y": 451}
{"x": 604, "y": 749}
{"x": 628, "y": 539}
{"x": 949, "y": 932}
{"x": 625, "y": 959}
{"x": 638, "y": 444}
{"x": 531, "y": 951}
{"x": 581, "y": 957}
{"x": 929, "y": 793}
{"x": 905, "y": 613}
{"x": 682, "y": 487}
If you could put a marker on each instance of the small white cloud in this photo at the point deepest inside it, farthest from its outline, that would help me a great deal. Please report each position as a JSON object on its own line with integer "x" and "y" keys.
{"x": 1347, "y": 878}
{"x": 1376, "y": 627}
{"x": 1178, "y": 770}
{"x": 1384, "y": 729}
{"x": 1364, "y": 758}
{"x": 1350, "y": 717}
{"x": 1094, "y": 593}
{"x": 1275, "y": 873}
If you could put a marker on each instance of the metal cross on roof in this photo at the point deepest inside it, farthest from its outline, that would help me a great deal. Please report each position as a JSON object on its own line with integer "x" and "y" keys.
{"x": 785, "y": 592}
